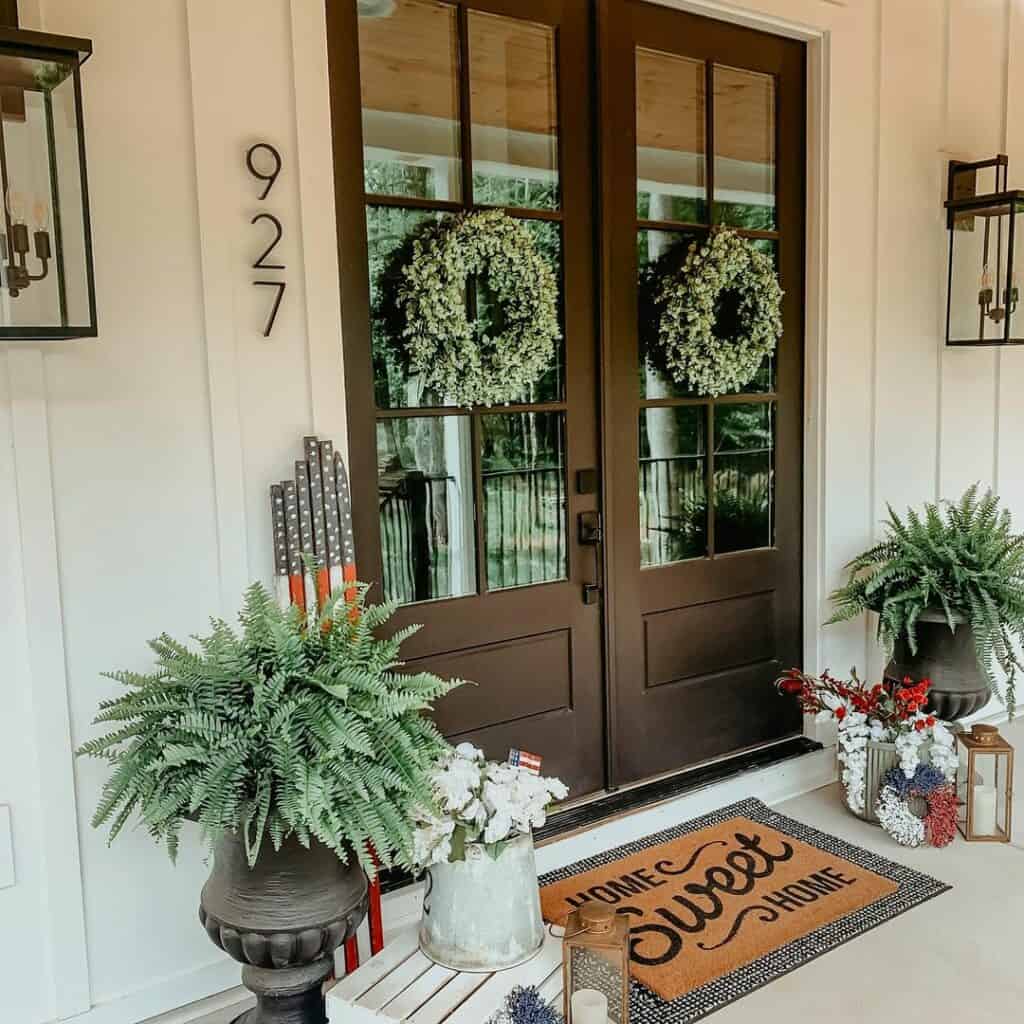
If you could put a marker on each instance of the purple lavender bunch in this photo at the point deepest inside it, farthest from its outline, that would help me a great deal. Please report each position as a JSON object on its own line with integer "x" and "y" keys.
{"x": 526, "y": 1006}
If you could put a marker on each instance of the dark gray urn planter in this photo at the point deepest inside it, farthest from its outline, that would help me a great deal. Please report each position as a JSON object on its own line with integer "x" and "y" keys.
{"x": 948, "y": 659}
{"x": 283, "y": 920}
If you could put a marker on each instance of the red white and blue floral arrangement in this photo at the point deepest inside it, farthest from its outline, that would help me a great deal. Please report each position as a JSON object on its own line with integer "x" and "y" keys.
{"x": 889, "y": 712}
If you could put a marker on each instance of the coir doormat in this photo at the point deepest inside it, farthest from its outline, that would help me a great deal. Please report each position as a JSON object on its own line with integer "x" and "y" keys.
{"x": 726, "y": 903}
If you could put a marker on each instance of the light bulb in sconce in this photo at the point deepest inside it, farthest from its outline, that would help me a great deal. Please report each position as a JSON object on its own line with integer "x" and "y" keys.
{"x": 40, "y": 214}
{"x": 16, "y": 206}
{"x": 986, "y": 278}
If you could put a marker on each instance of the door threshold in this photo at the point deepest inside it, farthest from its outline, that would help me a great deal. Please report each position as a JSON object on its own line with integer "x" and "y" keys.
{"x": 586, "y": 814}
{"x": 590, "y": 812}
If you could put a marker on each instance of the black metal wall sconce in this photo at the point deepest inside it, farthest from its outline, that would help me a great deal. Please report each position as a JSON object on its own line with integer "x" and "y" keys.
{"x": 983, "y": 287}
{"x": 47, "y": 288}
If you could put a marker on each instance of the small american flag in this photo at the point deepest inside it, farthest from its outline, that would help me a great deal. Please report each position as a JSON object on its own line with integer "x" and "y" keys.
{"x": 524, "y": 759}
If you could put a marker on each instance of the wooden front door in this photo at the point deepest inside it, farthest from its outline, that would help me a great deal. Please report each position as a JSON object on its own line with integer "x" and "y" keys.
{"x": 653, "y": 650}
{"x": 469, "y": 517}
{"x": 703, "y": 124}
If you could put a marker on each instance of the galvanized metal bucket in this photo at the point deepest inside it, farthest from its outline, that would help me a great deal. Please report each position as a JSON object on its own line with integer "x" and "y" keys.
{"x": 881, "y": 758}
{"x": 482, "y": 914}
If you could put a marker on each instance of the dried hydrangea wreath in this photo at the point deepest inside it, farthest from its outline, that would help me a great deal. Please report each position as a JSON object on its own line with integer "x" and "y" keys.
{"x": 454, "y": 354}
{"x": 692, "y": 353}
{"x": 895, "y": 815}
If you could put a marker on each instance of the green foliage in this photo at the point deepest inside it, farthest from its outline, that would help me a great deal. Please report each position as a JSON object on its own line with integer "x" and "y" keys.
{"x": 961, "y": 559}
{"x": 275, "y": 729}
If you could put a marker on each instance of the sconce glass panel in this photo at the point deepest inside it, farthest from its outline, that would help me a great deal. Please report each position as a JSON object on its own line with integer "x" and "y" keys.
{"x": 46, "y": 276}
{"x": 986, "y": 259}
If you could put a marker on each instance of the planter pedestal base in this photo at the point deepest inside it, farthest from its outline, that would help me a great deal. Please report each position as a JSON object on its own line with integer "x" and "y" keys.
{"x": 290, "y": 996}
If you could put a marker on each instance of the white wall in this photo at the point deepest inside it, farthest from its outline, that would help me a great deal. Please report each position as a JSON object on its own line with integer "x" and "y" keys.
{"x": 133, "y": 469}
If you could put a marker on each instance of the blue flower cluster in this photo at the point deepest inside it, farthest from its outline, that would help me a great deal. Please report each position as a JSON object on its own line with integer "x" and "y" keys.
{"x": 927, "y": 778}
{"x": 526, "y": 1006}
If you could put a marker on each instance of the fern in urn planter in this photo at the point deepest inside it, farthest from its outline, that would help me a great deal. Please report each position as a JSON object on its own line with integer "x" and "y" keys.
{"x": 947, "y": 585}
{"x": 300, "y": 749}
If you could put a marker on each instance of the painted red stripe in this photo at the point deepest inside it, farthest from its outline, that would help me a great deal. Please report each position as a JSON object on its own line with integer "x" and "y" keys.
{"x": 376, "y": 913}
{"x": 297, "y": 591}
{"x": 351, "y": 955}
{"x": 323, "y": 587}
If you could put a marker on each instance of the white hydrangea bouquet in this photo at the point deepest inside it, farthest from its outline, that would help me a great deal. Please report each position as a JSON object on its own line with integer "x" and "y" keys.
{"x": 480, "y": 801}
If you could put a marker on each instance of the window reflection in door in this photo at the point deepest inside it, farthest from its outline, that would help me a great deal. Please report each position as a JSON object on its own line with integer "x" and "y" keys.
{"x": 425, "y": 487}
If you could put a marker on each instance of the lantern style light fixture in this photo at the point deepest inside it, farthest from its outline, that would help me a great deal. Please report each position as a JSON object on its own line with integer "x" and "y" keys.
{"x": 986, "y": 254}
{"x": 595, "y": 966}
{"x": 984, "y": 785}
{"x": 47, "y": 291}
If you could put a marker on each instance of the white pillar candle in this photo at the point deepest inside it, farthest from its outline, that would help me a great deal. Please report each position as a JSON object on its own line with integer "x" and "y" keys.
{"x": 589, "y": 1007}
{"x": 984, "y": 810}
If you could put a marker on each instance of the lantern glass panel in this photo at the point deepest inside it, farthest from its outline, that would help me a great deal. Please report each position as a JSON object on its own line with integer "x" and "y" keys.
{"x": 45, "y": 279}
{"x": 596, "y": 964}
{"x": 982, "y": 299}
{"x": 988, "y": 794}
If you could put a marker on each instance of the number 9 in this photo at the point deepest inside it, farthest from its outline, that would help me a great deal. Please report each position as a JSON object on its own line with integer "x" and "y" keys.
{"x": 257, "y": 173}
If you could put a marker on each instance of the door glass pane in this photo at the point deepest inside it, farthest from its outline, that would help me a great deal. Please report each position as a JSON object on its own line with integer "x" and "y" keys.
{"x": 670, "y": 143}
{"x": 673, "y": 505}
{"x": 514, "y": 107}
{"x": 764, "y": 380}
{"x": 425, "y": 488}
{"x": 744, "y": 108}
{"x": 523, "y": 470}
{"x": 744, "y": 476}
{"x": 390, "y": 231}
{"x": 408, "y": 64}
{"x": 659, "y": 253}
{"x": 550, "y": 386}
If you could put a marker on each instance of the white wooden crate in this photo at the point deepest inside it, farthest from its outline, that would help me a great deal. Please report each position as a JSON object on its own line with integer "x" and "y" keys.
{"x": 401, "y": 986}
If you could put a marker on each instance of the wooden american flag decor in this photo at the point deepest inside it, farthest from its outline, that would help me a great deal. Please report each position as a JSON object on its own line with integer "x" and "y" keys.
{"x": 315, "y": 554}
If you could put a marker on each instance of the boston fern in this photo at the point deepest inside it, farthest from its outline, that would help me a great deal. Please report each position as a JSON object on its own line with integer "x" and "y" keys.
{"x": 276, "y": 729}
{"x": 961, "y": 560}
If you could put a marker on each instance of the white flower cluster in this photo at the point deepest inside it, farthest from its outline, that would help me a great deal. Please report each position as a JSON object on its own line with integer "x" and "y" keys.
{"x": 453, "y": 353}
{"x": 483, "y": 801}
{"x": 896, "y": 817}
{"x": 931, "y": 744}
{"x": 694, "y": 355}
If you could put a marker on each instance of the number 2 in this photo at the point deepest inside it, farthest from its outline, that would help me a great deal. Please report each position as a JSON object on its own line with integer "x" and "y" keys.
{"x": 259, "y": 264}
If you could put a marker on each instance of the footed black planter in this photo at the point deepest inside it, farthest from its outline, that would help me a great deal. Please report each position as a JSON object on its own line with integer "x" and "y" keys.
{"x": 283, "y": 920}
{"x": 949, "y": 660}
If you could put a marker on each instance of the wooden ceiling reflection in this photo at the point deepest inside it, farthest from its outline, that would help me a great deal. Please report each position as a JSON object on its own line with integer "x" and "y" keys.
{"x": 408, "y": 63}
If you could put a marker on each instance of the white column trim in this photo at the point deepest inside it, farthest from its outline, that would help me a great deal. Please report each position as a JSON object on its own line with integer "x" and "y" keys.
{"x": 64, "y": 905}
{"x": 209, "y": 121}
{"x": 314, "y": 156}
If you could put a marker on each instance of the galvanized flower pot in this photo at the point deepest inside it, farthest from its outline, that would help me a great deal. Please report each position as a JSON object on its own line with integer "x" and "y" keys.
{"x": 881, "y": 758}
{"x": 483, "y": 914}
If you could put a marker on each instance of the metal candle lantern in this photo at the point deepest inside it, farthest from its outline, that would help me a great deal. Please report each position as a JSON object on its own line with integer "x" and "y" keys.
{"x": 46, "y": 274}
{"x": 595, "y": 966}
{"x": 984, "y": 785}
{"x": 984, "y": 265}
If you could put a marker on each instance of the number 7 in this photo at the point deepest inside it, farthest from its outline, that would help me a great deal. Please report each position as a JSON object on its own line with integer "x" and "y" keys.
{"x": 280, "y": 286}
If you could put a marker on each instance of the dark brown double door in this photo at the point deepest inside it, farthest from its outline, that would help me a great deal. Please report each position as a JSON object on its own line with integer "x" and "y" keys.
{"x": 645, "y": 642}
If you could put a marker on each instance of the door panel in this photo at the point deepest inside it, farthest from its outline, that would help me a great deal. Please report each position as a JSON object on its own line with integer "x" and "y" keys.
{"x": 463, "y": 106}
{"x": 702, "y": 125}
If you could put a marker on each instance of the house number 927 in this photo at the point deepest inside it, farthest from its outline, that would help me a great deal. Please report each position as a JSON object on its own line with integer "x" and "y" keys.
{"x": 264, "y": 163}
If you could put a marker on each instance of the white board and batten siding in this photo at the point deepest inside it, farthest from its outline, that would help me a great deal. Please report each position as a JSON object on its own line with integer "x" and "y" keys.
{"x": 133, "y": 468}
{"x": 402, "y": 986}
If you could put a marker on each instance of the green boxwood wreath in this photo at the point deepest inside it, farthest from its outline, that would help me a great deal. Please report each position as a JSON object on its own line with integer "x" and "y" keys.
{"x": 689, "y": 349}
{"x": 455, "y": 355}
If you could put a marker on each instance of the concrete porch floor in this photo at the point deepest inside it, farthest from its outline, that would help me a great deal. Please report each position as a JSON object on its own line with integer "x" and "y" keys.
{"x": 962, "y": 953}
